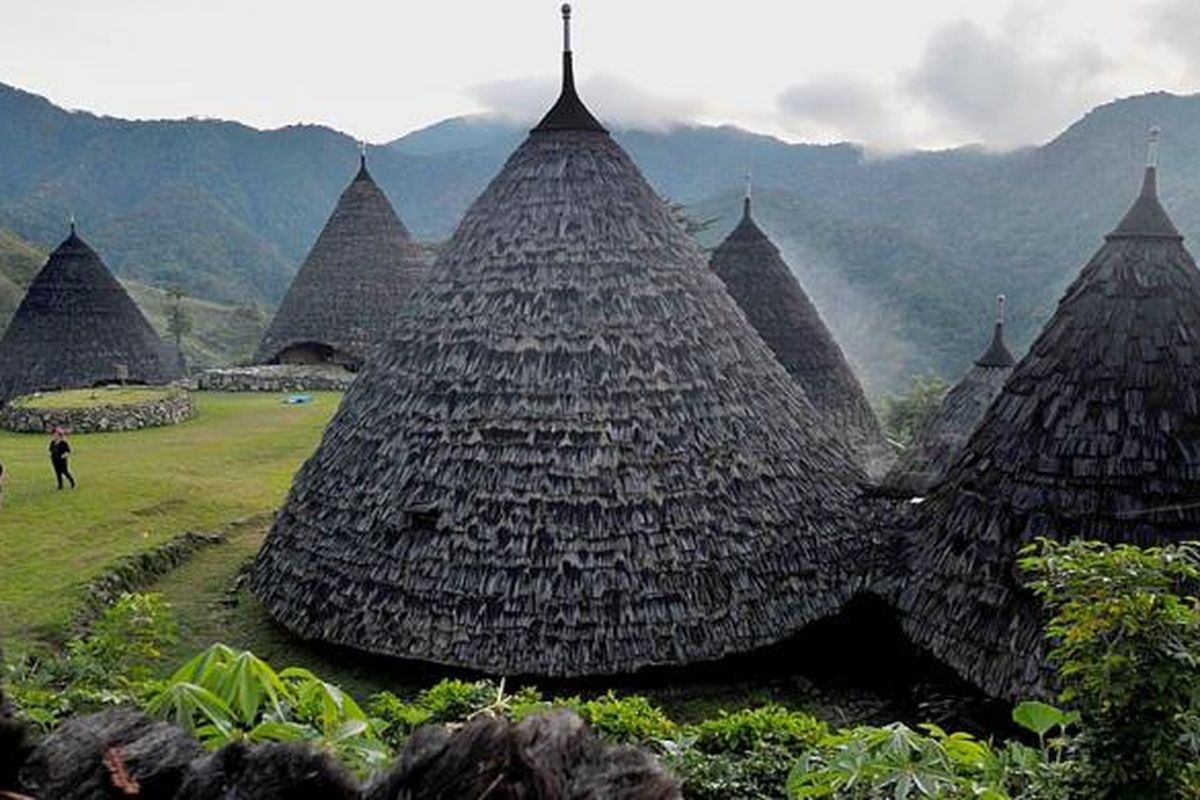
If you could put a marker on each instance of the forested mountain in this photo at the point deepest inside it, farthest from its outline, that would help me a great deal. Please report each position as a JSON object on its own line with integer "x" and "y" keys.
{"x": 901, "y": 254}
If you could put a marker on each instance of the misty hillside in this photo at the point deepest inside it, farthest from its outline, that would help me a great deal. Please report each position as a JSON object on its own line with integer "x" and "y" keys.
{"x": 902, "y": 255}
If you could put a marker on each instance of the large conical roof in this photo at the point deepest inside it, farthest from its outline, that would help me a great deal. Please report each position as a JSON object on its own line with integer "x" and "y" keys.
{"x": 939, "y": 441}
{"x": 572, "y": 456}
{"x": 77, "y": 327}
{"x": 1096, "y": 434}
{"x": 767, "y": 291}
{"x": 346, "y": 294}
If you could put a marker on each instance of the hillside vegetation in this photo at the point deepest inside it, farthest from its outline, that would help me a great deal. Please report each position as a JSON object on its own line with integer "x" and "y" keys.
{"x": 901, "y": 254}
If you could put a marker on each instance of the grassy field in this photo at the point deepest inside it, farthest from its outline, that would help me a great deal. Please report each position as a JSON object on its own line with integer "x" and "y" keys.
{"x": 137, "y": 489}
{"x": 93, "y": 398}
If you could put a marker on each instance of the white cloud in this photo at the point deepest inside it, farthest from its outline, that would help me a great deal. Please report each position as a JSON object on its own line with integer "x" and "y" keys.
{"x": 1005, "y": 89}
{"x": 615, "y": 101}
{"x": 842, "y": 106}
{"x": 1175, "y": 24}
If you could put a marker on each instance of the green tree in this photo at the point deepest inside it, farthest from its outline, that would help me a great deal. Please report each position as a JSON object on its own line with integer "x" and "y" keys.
{"x": 1125, "y": 636}
{"x": 179, "y": 318}
{"x": 906, "y": 412}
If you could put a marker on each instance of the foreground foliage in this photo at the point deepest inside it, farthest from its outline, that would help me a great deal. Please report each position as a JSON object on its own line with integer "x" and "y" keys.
{"x": 1125, "y": 632}
{"x": 1125, "y": 636}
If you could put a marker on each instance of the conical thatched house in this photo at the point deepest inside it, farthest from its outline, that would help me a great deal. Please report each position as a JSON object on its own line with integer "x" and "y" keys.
{"x": 346, "y": 294}
{"x": 942, "y": 437}
{"x": 767, "y": 291}
{"x": 573, "y": 455}
{"x": 77, "y": 327}
{"x": 1095, "y": 435}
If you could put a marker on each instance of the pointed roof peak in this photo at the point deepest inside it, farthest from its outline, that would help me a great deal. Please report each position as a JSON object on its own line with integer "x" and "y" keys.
{"x": 1147, "y": 218}
{"x": 997, "y": 354}
{"x": 363, "y": 173}
{"x": 568, "y": 113}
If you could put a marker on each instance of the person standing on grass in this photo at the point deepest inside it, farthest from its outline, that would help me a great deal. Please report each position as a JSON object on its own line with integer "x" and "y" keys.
{"x": 60, "y": 448}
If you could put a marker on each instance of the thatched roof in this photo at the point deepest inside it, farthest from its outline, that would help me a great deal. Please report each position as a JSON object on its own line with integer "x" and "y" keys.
{"x": 942, "y": 437}
{"x": 1095, "y": 435}
{"x": 572, "y": 456}
{"x": 346, "y": 294}
{"x": 74, "y": 327}
{"x": 767, "y": 291}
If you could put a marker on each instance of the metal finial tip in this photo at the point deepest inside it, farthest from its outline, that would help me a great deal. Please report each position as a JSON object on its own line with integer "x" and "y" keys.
{"x": 1152, "y": 146}
{"x": 566, "y": 10}
{"x": 1000, "y": 300}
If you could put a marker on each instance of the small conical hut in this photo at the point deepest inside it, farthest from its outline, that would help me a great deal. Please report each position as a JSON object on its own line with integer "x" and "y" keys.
{"x": 345, "y": 296}
{"x": 1096, "y": 435}
{"x": 767, "y": 291}
{"x": 77, "y": 327}
{"x": 941, "y": 438}
{"x": 572, "y": 456}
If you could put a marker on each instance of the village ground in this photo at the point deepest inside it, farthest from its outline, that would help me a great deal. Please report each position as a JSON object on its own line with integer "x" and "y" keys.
{"x": 228, "y": 470}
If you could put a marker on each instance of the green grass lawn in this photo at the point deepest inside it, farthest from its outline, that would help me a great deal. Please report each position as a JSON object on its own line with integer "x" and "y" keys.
{"x": 95, "y": 397}
{"x": 136, "y": 490}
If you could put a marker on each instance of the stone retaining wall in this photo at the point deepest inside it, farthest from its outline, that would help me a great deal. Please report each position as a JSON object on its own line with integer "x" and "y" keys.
{"x": 276, "y": 378}
{"x": 170, "y": 409}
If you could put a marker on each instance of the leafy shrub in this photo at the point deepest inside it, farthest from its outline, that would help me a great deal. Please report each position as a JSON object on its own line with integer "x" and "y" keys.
{"x": 454, "y": 700}
{"x": 749, "y": 729}
{"x": 224, "y": 695}
{"x": 1125, "y": 635}
{"x": 109, "y": 665}
{"x": 396, "y": 719}
{"x": 895, "y": 761}
{"x": 759, "y": 773}
{"x": 623, "y": 719}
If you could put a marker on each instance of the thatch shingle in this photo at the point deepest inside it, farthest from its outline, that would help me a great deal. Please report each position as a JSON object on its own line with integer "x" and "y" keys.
{"x": 1096, "y": 434}
{"x": 767, "y": 291}
{"x": 941, "y": 438}
{"x": 77, "y": 327}
{"x": 346, "y": 294}
{"x": 572, "y": 456}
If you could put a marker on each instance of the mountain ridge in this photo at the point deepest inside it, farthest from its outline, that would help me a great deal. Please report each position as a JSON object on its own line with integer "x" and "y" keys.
{"x": 902, "y": 254}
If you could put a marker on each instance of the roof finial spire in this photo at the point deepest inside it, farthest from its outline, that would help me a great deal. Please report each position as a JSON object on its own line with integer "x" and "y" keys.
{"x": 72, "y": 219}
{"x": 746, "y": 197}
{"x": 566, "y": 15}
{"x": 568, "y": 113}
{"x": 1152, "y": 147}
{"x": 362, "y": 153}
{"x": 1000, "y": 300}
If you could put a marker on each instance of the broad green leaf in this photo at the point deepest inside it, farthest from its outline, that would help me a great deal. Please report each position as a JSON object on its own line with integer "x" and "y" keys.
{"x": 1037, "y": 717}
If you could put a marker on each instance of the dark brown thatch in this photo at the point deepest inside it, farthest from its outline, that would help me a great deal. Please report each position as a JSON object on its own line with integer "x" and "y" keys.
{"x": 550, "y": 756}
{"x": 767, "y": 291}
{"x": 939, "y": 441}
{"x": 572, "y": 456}
{"x": 94, "y": 756}
{"x": 77, "y": 327}
{"x": 1096, "y": 434}
{"x": 346, "y": 294}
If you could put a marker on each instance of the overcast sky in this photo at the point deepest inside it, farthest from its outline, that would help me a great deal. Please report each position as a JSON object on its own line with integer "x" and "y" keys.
{"x": 892, "y": 74}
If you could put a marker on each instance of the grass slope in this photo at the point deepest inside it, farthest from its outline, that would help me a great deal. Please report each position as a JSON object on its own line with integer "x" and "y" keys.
{"x": 136, "y": 490}
{"x": 102, "y": 396}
